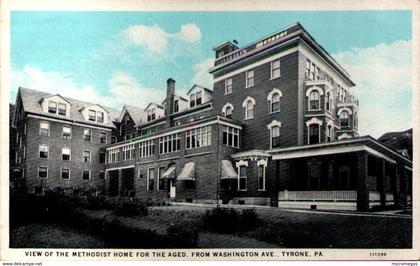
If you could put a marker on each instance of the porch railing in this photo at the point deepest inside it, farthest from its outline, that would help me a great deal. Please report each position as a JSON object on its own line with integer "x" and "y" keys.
{"x": 327, "y": 195}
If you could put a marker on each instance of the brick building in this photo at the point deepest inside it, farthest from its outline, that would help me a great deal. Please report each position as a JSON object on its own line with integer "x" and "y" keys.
{"x": 279, "y": 128}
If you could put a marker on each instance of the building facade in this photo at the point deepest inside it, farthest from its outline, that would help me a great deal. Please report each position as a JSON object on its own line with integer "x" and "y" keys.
{"x": 279, "y": 128}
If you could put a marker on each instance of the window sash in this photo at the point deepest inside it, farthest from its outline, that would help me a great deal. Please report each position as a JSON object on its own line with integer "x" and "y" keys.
{"x": 92, "y": 115}
{"x": 66, "y": 132}
{"x": 44, "y": 128}
{"x": 102, "y": 137}
{"x": 65, "y": 173}
{"x": 65, "y": 154}
{"x": 43, "y": 172}
{"x": 275, "y": 69}
{"x": 87, "y": 135}
{"x": 43, "y": 151}
{"x": 228, "y": 85}
{"x": 62, "y": 108}
{"x": 86, "y": 175}
{"x": 250, "y": 78}
{"x": 52, "y": 107}
{"x": 100, "y": 117}
{"x": 86, "y": 156}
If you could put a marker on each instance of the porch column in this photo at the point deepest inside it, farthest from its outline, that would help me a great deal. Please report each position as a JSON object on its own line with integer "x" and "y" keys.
{"x": 275, "y": 191}
{"x": 362, "y": 192}
{"x": 120, "y": 185}
{"x": 382, "y": 181}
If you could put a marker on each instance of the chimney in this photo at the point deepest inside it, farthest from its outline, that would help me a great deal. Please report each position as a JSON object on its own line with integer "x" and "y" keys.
{"x": 170, "y": 93}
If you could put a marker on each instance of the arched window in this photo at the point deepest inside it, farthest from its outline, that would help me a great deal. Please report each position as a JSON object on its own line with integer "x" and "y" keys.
{"x": 275, "y": 103}
{"x": 228, "y": 112}
{"x": 273, "y": 100}
{"x": 344, "y": 119}
{"x": 248, "y": 105}
{"x": 314, "y": 100}
{"x": 330, "y": 133}
{"x": 275, "y": 136}
{"x": 314, "y": 137}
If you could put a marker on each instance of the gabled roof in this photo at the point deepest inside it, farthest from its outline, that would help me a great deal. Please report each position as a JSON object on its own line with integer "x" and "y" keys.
{"x": 135, "y": 112}
{"x": 199, "y": 86}
{"x": 52, "y": 95}
{"x": 158, "y": 105}
{"x": 31, "y": 101}
{"x": 176, "y": 97}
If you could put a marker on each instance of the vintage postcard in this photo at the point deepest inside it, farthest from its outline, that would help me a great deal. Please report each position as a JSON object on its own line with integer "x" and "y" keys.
{"x": 209, "y": 130}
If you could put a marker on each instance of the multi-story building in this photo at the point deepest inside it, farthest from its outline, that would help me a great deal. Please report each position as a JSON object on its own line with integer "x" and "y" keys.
{"x": 279, "y": 128}
{"x": 60, "y": 142}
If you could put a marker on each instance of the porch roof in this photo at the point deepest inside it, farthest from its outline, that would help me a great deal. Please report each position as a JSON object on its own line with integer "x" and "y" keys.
{"x": 364, "y": 143}
{"x": 250, "y": 153}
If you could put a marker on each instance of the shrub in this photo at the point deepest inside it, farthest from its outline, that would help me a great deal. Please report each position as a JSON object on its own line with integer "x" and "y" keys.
{"x": 183, "y": 235}
{"x": 222, "y": 220}
{"x": 130, "y": 209}
{"x": 249, "y": 220}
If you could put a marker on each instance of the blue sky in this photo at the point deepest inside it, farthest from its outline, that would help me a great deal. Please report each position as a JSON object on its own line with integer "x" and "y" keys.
{"x": 119, "y": 58}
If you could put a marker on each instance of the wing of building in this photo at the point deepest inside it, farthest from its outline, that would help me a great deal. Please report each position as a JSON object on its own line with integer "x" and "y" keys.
{"x": 279, "y": 128}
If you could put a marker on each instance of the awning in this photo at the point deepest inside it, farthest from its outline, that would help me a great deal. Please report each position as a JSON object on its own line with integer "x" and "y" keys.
{"x": 170, "y": 173}
{"x": 228, "y": 171}
{"x": 188, "y": 172}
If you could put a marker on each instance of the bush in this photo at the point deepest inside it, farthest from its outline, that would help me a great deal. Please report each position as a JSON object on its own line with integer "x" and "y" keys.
{"x": 183, "y": 235}
{"x": 249, "y": 220}
{"x": 222, "y": 220}
{"x": 130, "y": 209}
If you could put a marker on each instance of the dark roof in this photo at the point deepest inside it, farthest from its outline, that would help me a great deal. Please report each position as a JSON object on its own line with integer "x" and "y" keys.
{"x": 196, "y": 85}
{"x": 400, "y": 141}
{"x": 136, "y": 113}
{"x": 31, "y": 101}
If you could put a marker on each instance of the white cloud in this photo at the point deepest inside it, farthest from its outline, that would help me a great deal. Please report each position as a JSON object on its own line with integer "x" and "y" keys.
{"x": 123, "y": 87}
{"x": 201, "y": 73}
{"x": 155, "y": 39}
{"x": 383, "y": 77}
{"x": 190, "y": 33}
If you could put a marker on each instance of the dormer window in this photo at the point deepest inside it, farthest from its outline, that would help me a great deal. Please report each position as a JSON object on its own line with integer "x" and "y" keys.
{"x": 176, "y": 106}
{"x": 195, "y": 99}
{"x": 100, "y": 117}
{"x": 52, "y": 107}
{"x": 151, "y": 114}
{"x": 62, "y": 108}
{"x": 92, "y": 115}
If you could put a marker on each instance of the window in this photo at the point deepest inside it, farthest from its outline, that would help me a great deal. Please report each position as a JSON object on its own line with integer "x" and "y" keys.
{"x": 161, "y": 182}
{"x": 228, "y": 112}
{"x": 198, "y": 137}
{"x": 169, "y": 143}
{"x": 43, "y": 151}
{"x": 65, "y": 173}
{"x": 176, "y": 106}
{"x": 151, "y": 114}
{"x": 66, "y": 132}
{"x": 128, "y": 136}
{"x": 195, "y": 99}
{"x": 86, "y": 175}
{"x": 344, "y": 119}
{"x": 102, "y": 137}
{"x": 101, "y": 175}
{"x": 275, "y": 69}
{"x": 151, "y": 179}
{"x": 43, "y": 172}
{"x": 86, "y": 156}
{"x": 128, "y": 152}
{"x": 140, "y": 174}
{"x": 146, "y": 148}
{"x": 330, "y": 133}
{"x": 114, "y": 155}
{"x": 275, "y": 103}
{"x": 242, "y": 178}
{"x": 198, "y": 98}
{"x": 275, "y": 137}
{"x": 113, "y": 140}
{"x": 230, "y": 137}
{"x": 228, "y": 85}
{"x": 308, "y": 69}
{"x": 314, "y": 100}
{"x": 249, "y": 110}
{"x": 44, "y": 128}
{"x": 52, "y": 107}
{"x": 177, "y": 123}
{"x": 62, "y": 109}
{"x": 87, "y": 135}
{"x": 314, "y": 134}
{"x": 312, "y": 72}
{"x": 327, "y": 101}
{"x": 65, "y": 154}
{"x": 100, "y": 117}
{"x": 317, "y": 73}
{"x": 250, "y": 78}
{"x": 92, "y": 115}
{"x": 314, "y": 172}
{"x": 102, "y": 156}
{"x": 261, "y": 177}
